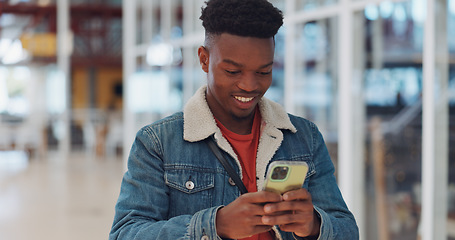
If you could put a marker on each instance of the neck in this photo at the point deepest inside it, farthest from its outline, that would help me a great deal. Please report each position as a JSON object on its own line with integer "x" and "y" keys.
{"x": 238, "y": 125}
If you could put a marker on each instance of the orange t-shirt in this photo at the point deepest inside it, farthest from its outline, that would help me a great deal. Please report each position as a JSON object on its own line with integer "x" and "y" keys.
{"x": 245, "y": 146}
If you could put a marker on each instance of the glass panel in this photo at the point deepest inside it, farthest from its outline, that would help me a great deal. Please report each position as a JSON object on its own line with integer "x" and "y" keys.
{"x": 14, "y": 82}
{"x": 198, "y": 4}
{"x": 276, "y": 90}
{"x": 280, "y": 4}
{"x": 44, "y": 3}
{"x": 116, "y": 3}
{"x": 315, "y": 94}
{"x": 193, "y": 77}
{"x": 177, "y": 19}
{"x": 148, "y": 17}
{"x": 27, "y": 107}
{"x": 313, "y": 4}
{"x": 451, "y": 190}
{"x": 175, "y": 100}
{"x": 199, "y": 77}
{"x": 391, "y": 61}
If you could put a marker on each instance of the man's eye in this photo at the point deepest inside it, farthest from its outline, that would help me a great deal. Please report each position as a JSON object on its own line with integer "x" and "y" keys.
{"x": 265, "y": 73}
{"x": 232, "y": 72}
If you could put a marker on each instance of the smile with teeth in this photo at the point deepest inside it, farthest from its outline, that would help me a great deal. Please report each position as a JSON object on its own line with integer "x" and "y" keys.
{"x": 243, "y": 99}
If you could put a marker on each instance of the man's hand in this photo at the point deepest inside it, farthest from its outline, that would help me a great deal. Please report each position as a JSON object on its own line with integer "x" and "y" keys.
{"x": 294, "y": 214}
{"x": 243, "y": 217}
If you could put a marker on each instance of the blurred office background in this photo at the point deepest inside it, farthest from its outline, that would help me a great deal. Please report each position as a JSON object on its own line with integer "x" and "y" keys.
{"x": 78, "y": 78}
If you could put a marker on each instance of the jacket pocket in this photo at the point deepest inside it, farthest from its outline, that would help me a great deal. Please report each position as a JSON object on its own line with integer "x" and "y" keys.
{"x": 190, "y": 189}
{"x": 189, "y": 180}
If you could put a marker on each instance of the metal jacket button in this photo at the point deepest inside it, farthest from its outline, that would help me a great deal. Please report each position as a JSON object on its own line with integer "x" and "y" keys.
{"x": 231, "y": 182}
{"x": 205, "y": 237}
{"x": 189, "y": 185}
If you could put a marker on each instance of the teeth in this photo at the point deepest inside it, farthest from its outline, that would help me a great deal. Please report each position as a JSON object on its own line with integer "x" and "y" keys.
{"x": 243, "y": 99}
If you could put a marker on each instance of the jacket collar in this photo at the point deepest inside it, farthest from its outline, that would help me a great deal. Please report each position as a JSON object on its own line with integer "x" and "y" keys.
{"x": 200, "y": 124}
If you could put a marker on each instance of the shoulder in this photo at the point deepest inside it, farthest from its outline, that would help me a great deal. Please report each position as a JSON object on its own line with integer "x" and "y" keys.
{"x": 161, "y": 132}
{"x": 307, "y": 131}
{"x": 302, "y": 124}
{"x": 170, "y": 122}
{"x": 176, "y": 117}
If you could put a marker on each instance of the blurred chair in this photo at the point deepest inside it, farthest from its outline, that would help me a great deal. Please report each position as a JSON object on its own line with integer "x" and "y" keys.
{"x": 6, "y": 140}
{"x": 114, "y": 137}
{"x": 30, "y": 135}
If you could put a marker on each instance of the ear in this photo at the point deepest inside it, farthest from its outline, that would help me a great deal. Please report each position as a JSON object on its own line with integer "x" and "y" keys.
{"x": 203, "y": 55}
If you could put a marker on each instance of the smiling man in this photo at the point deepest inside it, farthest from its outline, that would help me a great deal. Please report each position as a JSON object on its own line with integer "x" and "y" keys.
{"x": 175, "y": 188}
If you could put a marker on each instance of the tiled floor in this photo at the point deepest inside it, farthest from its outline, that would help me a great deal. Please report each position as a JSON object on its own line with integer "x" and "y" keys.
{"x": 57, "y": 198}
{"x": 61, "y": 198}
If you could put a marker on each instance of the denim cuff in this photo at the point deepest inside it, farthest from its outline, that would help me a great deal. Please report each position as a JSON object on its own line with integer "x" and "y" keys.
{"x": 326, "y": 230}
{"x": 203, "y": 226}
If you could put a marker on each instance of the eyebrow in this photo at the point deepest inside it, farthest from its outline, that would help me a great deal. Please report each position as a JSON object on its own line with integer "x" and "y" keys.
{"x": 229, "y": 61}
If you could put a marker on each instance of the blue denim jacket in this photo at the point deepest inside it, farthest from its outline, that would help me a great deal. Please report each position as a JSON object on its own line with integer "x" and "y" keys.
{"x": 175, "y": 185}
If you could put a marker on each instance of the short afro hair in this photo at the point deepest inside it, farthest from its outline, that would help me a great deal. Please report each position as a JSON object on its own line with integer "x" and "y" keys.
{"x": 246, "y": 18}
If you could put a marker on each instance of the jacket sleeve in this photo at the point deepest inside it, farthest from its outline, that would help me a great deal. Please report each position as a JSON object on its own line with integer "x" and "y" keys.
{"x": 142, "y": 208}
{"x": 337, "y": 222}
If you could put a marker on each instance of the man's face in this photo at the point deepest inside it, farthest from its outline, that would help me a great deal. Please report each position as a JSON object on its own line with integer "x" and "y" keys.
{"x": 239, "y": 72}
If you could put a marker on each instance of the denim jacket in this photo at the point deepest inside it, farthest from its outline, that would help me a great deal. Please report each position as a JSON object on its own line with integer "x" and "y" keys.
{"x": 175, "y": 185}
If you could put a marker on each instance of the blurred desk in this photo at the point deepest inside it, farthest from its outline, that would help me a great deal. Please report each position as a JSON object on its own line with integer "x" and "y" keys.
{"x": 24, "y": 134}
{"x": 102, "y": 130}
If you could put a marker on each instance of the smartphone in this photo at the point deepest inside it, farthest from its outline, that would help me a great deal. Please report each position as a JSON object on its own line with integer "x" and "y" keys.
{"x": 283, "y": 176}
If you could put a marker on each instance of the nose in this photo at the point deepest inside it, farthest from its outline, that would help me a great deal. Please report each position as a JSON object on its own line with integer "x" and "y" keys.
{"x": 248, "y": 83}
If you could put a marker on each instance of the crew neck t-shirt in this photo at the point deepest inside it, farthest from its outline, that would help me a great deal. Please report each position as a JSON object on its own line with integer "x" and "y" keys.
{"x": 245, "y": 146}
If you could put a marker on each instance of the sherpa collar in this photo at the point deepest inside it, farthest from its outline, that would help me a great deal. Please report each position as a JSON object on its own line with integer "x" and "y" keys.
{"x": 199, "y": 122}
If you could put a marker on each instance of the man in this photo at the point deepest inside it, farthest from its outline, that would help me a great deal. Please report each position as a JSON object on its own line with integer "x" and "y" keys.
{"x": 175, "y": 188}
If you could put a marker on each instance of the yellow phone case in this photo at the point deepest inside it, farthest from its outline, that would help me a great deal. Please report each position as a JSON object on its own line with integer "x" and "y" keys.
{"x": 277, "y": 182}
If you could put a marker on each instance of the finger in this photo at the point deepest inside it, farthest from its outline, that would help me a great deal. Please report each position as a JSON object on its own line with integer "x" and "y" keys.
{"x": 246, "y": 224}
{"x": 246, "y": 208}
{"x": 301, "y": 224}
{"x": 257, "y": 225}
{"x": 262, "y": 228}
{"x": 261, "y": 197}
{"x": 300, "y": 194}
{"x": 289, "y": 206}
{"x": 288, "y": 218}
